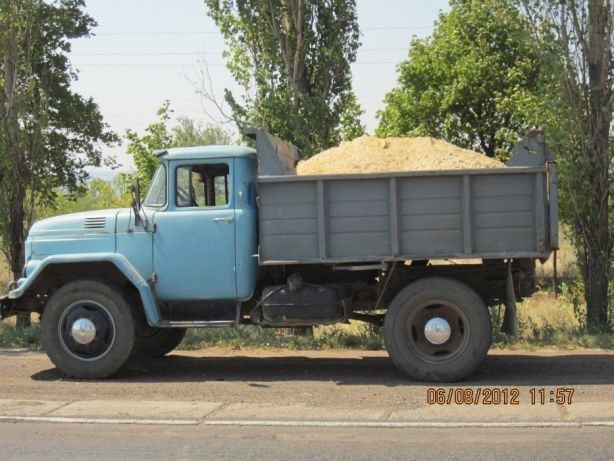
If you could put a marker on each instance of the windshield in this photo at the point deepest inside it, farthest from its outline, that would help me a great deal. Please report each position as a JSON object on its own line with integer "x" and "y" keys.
{"x": 156, "y": 196}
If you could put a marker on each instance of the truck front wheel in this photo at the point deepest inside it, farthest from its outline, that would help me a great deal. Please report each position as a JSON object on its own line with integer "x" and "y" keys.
{"x": 437, "y": 329}
{"x": 88, "y": 329}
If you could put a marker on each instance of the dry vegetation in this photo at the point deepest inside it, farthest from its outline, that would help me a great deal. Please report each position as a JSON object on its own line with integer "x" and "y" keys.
{"x": 5, "y": 274}
{"x": 566, "y": 264}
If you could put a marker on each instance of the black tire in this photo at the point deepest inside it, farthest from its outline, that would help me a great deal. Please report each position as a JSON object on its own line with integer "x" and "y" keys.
{"x": 469, "y": 330}
{"x": 114, "y": 334}
{"x": 157, "y": 342}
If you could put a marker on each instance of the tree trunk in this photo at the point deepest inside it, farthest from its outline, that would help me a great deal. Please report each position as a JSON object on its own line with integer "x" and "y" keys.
{"x": 16, "y": 233}
{"x": 596, "y": 292}
{"x": 598, "y": 249}
{"x": 586, "y": 35}
{"x": 17, "y": 247}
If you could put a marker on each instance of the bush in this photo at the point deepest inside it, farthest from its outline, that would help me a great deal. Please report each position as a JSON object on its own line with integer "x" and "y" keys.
{"x": 23, "y": 337}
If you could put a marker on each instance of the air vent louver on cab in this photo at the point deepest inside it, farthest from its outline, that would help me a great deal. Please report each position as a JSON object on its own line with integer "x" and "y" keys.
{"x": 95, "y": 223}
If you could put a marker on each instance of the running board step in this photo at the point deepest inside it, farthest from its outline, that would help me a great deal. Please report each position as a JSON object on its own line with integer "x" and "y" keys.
{"x": 200, "y": 312}
{"x": 195, "y": 324}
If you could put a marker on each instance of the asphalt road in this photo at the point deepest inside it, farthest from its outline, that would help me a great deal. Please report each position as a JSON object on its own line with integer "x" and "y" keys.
{"x": 224, "y": 400}
{"x": 311, "y": 377}
{"x": 52, "y": 442}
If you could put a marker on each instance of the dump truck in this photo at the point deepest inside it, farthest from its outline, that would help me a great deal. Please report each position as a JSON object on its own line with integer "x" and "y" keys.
{"x": 230, "y": 235}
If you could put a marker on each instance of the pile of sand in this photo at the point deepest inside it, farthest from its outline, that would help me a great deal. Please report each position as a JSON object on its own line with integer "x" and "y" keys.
{"x": 369, "y": 154}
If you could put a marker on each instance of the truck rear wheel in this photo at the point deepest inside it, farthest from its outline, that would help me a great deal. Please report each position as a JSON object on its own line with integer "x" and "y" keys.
{"x": 88, "y": 329}
{"x": 157, "y": 342}
{"x": 437, "y": 329}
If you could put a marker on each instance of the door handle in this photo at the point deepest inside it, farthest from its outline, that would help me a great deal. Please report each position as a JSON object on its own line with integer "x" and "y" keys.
{"x": 229, "y": 219}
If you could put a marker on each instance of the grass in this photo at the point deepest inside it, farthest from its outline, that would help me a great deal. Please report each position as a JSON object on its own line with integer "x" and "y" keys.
{"x": 546, "y": 321}
{"x": 566, "y": 265}
{"x": 355, "y": 335}
{"x": 22, "y": 338}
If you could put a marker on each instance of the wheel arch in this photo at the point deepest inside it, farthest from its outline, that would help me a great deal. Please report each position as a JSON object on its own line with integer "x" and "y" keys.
{"x": 54, "y": 272}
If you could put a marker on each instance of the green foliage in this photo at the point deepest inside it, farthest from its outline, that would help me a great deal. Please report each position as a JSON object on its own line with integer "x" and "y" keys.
{"x": 572, "y": 294}
{"x": 28, "y": 337}
{"x": 292, "y": 58}
{"x": 49, "y": 134}
{"x": 157, "y": 136}
{"x": 578, "y": 41}
{"x": 190, "y": 132}
{"x": 492, "y": 69}
{"x": 98, "y": 195}
{"x": 351, "y": 127}
{"x": 470, "y": 82}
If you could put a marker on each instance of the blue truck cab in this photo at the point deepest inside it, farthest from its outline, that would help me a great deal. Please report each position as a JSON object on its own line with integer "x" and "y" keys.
{"x": 182, "y": 247}
{"x": 228, "y": 235}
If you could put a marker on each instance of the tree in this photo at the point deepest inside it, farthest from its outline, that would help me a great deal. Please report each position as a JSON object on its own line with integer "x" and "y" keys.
{"x": 292, "y": 58}
{"x": 467, "y": 82}
{"x": 98, "y": 195}
{"x": 159, "y": 135}
{"x": 579, "y": 36}
{"x": 190, "y": 132}
{"x": 49, "y": 134}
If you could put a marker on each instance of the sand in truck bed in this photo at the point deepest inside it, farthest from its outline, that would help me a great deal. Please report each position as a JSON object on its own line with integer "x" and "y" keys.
{"x": 369, "y": 154}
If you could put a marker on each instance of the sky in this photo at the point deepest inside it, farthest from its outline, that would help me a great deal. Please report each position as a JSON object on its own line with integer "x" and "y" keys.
{"x": 144, "y": 52}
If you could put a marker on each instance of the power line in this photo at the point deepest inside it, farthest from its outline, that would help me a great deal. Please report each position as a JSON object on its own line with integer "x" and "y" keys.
{"x": 157, "y": 53}
{"x": 146, "y": 65}
{"x": 397, "y": 28}
{"x": 158, "y": 101}
{"x": 196, "y": 53}
{"x": 208, "y": 64}
{"x": 158, "y": 33}
{"x": 211, "y": 32}
{"x": 196, "y": 98}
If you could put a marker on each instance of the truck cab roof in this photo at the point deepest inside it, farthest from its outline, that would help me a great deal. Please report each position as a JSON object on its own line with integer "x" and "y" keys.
{"x": 204, "y": 152}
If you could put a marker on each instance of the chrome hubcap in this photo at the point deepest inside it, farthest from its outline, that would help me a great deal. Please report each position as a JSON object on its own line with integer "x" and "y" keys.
{"x": 86, "y": 330}
{"x": 437, "y": 330}
{"x": 83, "y": 331}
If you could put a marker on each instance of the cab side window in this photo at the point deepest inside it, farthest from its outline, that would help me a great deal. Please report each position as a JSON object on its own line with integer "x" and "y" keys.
{"x": 202, "y": 185}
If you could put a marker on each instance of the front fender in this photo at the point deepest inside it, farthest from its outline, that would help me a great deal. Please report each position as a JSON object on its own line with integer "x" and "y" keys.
{"x": 123, "y": 265}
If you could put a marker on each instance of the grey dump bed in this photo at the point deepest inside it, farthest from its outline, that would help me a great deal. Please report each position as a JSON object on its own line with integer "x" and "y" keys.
{"x": 482, "y": 213}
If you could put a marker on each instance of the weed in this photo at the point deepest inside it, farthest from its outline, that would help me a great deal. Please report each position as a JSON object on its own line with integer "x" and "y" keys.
{"x": 23, "y": 337}
{"x": 355, "y": 335}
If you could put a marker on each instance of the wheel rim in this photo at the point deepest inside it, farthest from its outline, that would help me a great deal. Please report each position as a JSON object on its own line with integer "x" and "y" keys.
{"x": 86, "y": 330}
{"x": 437, "y": 331}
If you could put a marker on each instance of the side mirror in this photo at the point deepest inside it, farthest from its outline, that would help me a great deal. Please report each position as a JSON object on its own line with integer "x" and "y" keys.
{"x": 136, "y": 201}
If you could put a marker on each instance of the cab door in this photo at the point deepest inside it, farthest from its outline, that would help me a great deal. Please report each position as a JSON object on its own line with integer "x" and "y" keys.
{"x": 194, "y": 240}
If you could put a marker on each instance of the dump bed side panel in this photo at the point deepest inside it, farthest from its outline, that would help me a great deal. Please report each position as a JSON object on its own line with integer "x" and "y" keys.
{"x": 487, "y": 214}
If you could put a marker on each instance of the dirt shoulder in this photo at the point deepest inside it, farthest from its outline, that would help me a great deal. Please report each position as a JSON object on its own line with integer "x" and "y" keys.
{"x": 321, "y": 378}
